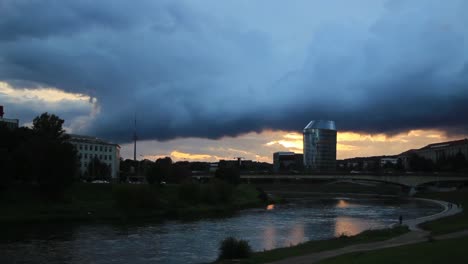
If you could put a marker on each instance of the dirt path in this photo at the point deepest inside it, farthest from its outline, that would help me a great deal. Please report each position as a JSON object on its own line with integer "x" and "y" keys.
{"x": 416, "y": 235}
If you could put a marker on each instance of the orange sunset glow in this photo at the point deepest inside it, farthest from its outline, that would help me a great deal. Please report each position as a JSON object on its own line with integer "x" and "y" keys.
{"x": 261, "y": 146}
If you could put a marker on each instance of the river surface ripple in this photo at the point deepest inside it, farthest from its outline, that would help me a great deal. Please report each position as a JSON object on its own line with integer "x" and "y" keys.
{"x": 198, "y": 241}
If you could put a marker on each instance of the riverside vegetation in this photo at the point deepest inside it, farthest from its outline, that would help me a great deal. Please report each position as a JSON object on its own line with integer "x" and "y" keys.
{"x": 40, "y": 183}
{"x": 126, "y": 202}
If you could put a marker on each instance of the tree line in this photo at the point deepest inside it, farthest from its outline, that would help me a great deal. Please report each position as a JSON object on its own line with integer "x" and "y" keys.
{"x": 38, "y": 155}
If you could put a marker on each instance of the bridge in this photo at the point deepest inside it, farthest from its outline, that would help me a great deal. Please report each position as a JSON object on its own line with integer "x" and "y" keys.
{"x": 402, "y": 180}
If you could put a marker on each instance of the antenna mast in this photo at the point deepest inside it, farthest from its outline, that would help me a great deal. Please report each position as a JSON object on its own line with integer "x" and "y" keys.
{"x": 134, "y": 140}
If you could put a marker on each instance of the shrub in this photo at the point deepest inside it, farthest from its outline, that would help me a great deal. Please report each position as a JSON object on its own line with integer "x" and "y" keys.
{"x": 189, "y": 193}
{"x": 130, "y": 197}
{"x": 232, "y": 248}
{"x": 216, "y": 192}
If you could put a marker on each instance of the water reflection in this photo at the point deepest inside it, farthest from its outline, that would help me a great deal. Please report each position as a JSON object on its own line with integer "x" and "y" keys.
{"x": 270, "y": 207}
{"x": 269, "y": 235}
{"x": 342, "y": 204}
{"x": 296, "y": 235}
{"x": 197, "y": 242}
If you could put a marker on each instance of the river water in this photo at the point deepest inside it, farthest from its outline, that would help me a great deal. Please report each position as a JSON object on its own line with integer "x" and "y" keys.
{"x": 198, "y": 241}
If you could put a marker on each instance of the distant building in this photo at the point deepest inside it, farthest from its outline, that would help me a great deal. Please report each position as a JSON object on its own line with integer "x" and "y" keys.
{"x": 320, "y": 145}
{"x": 437, "y": 151}
{"x": 10, "y": 123}
{"x": 89, "y": 148}
{"x": 287, "y": 162}
{"x": 388, "y": 160}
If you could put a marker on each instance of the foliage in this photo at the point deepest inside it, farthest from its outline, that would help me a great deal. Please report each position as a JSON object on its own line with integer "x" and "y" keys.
{"x": 216, "y": 192}
{"x": 39, "y": 155}
{"x": 160, "y": 171}
{"x": 418, "y": 163}
{"x": 189, "y": 193}
{"x": 228, "y": 174}
{"x": 98, "y": 170}
{"x": 133, "y": 197}
{"x": 232, "y": 248}
{"x": 49, "y": 126}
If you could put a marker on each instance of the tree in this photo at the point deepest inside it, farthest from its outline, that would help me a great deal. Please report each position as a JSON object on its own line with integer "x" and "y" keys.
{"x": 160, "y": 171}
{"x": 98, "y": 170}
{"x": 55, "y": 161}
{"x": 49, "y": 126}
{"x": 228, "y": 174}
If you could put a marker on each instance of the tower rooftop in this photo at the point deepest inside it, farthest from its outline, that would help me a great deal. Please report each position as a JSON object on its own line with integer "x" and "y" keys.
{"x": 321, "y": 124}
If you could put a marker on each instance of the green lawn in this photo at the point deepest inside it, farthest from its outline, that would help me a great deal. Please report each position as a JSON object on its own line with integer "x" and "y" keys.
{"x": 316, "y": 246}
{"x": 452, "y": 223}
{"x": 439, "y": 251}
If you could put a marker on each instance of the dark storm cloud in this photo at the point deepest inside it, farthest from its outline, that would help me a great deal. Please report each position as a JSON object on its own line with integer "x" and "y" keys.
{"x": 209, "y": 70}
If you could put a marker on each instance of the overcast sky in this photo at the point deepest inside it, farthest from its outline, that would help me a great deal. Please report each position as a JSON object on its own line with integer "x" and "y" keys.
{"x": 195, "y": 72}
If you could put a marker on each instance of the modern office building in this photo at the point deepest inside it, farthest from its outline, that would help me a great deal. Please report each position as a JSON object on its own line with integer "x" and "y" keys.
{"x": 89, "y": 148}
{"x": 320, "y": 145}
{"x": 10, "y": 123}
{"x": 287, "y": 162}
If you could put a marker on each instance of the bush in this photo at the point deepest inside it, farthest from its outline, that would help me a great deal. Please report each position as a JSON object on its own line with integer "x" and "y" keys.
{"x": 130, "y": 197}
{"x": 216, "y": 192}
{"x": 232, "y": 248}
{"x": 189, "y": 193}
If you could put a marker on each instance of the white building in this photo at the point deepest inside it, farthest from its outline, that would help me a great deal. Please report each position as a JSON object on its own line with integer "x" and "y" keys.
{"x": 10, "y": 123}
{"x": 89, "y": 148}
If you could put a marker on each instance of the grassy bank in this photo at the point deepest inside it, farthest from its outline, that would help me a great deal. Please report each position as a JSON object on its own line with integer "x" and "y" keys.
{"x": 322, "y": 245}
{"x": 445, "y": 225}
{"x": 442, "y": 251}
{"x": 125, "y": 202}
{"x": 452, "y": 223}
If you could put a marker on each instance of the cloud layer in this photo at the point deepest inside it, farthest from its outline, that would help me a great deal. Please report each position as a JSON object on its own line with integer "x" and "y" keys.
{"x": 211, "y": 69}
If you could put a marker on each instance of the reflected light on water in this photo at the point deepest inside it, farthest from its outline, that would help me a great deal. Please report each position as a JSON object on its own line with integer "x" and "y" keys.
{"x": 342, "y": 204}
{"x": 270, "y": 207}
{"x": 296, "y": 236}
{"x": 349, "y": 226}
{"x": 269, "y": 237}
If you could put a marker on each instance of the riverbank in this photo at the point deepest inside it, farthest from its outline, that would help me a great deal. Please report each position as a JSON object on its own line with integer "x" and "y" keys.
{"x": 437, "y": 224}
{"x": 126, "y": 202}
{"x": 323, "y": 245}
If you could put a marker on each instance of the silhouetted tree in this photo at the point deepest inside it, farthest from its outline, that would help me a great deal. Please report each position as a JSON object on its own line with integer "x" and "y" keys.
{"x": 418, "y": 163}
{"x": 160, "y": 171}
{"x": 98, "y": 170}
{"x": 55, "y": 162}
{"x": 181, "y": 172}
{"x": 228, "y": 174}
{"x": 49, "y": 126}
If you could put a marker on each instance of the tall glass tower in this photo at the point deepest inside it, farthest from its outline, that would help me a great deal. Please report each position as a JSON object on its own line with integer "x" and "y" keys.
{"x": 320, "y": 145}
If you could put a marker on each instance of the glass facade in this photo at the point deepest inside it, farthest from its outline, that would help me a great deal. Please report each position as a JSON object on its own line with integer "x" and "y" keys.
{"x": 320, "y": 146}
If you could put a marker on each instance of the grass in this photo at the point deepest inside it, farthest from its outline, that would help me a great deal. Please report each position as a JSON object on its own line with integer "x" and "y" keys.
{"x": 124, "y": 202}
{"x": 452, "y": 223}
{"x": 316, "y": 246}
{"x": 439, "y": 251}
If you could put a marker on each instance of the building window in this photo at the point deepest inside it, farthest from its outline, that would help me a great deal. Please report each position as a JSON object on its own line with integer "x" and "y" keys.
{"x": 85, "y": 147}
{"x": 81, "y": 147}
{"x": 95, "y": 148}
{"x": 100, "y": 157}
{"x": 100, "y": 148}
{"x": 85, "y": 156}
